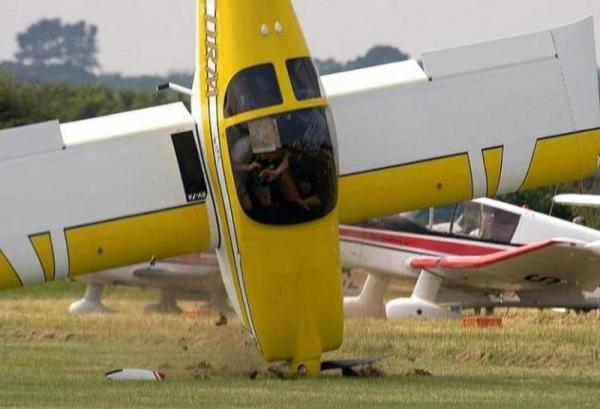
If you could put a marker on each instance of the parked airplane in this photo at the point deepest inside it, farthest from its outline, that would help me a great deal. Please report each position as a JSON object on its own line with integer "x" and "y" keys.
{"x": 256, "y": 171}
{"x": 478, "y": 254}
{"x": 194, "y": 277}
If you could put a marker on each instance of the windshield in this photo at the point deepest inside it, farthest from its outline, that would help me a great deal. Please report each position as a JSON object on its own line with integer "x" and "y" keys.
{"x": 284, "y": 167}
{"x": 469, "y": 219}
{"x": 252, "y": 88}
{"x": 304, "y": 78}
{"x": 435, "y": 218}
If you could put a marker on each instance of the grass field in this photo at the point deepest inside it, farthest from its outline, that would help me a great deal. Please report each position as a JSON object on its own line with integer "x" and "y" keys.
{"x": 52, "y": 359}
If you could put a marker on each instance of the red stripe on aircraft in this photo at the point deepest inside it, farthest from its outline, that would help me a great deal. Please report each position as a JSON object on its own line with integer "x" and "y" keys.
{"x": 478, "y": 261}
{"x": 459, "y": 248}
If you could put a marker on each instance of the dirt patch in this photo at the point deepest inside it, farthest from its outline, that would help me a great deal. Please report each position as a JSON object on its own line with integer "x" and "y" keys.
{"x": 418, "y": 372}
{"x": 200, "y": 370}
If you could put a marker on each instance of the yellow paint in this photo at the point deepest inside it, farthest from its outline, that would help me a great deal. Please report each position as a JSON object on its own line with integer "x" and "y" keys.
{"x": 289, "y": 274}
{"x": 259, "y": 113}
{"x": 205, "y": 54}
{"x": 8, "y": 275}
{"x": 405, "y": 187}
{"x": 136, "y": 239}
{"x": 292, "y": 277}
{"x": 42, "y": 244}
{"x": 492, "y": 160}
{"x": 563, "y": 159}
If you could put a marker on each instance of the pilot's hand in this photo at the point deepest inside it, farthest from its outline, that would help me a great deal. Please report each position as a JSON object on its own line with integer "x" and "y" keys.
{"x": 254, "y": 166}
{"x": 269, "y": 175}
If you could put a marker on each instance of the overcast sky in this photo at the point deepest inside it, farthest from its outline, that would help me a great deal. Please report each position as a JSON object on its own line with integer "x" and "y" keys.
{"x": 157, "y": 36}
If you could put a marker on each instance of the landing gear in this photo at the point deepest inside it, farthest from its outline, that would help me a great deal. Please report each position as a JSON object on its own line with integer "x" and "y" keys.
{"x": 166, "y": 305}
{"x": 91, "y": 301}
{"x": 421, "y": 303}
{"x": 369, "y": 303}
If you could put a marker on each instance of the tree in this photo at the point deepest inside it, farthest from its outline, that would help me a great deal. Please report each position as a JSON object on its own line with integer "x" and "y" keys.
{"x": 26, "y": 103}
{"x": 328, "y": 66}
{"x": 49, "y": 42}
{"x": 381, "y": 54}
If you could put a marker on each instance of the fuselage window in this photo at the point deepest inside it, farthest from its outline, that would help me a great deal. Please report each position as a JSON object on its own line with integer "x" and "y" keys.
{"x": 304, "y": 77}
{"x": 252, "y": 88}
{"x": 284, "y": 167}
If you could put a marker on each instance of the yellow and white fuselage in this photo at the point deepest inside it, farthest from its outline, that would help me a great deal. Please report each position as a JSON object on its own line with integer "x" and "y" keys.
{"x": 280, "y": 260}
{"x": 258, "y": 174}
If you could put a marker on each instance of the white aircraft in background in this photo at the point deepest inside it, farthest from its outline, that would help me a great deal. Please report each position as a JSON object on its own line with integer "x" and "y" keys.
{"x": 191, "y": 277}
{"x": 257, "y": 173}
{"x": 479, "y": 254}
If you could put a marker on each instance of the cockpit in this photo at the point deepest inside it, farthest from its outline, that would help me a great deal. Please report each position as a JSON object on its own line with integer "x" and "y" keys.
{"x": 283, "y": 163}
{"x": 468, "y": 220}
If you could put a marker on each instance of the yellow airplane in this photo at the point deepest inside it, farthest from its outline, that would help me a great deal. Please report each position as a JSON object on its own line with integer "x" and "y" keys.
{"x": 257, "y": 173}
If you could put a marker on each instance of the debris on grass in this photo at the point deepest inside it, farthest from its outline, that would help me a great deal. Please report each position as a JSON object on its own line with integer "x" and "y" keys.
{"x": 418, "y": 372}
{"x": 201, "y": 370}
{"x": 222, "y": 319}
{"x": 369, "y": 371}
{"x": 280, "y": 371}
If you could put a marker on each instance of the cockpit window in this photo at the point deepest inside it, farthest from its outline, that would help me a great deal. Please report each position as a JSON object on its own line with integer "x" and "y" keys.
{"x": 485, "y": 222}
{"x": 305, "y": 80}
{"x": 252, "y": 88}
{"x": 284, "y": 166}
{"x": 435, "y": 218}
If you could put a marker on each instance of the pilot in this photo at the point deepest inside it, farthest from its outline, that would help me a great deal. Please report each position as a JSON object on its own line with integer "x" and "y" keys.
{"x": 243, "y": 168}
{"x": 487, "y": 224}
{"x": 276, "y": 166}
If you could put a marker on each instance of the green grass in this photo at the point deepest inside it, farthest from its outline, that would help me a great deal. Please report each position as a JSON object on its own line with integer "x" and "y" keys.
{"x": 49, "y": 358}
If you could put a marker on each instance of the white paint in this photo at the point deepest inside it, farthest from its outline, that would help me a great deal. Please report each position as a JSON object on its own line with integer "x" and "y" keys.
{"x": 489, "y": 55}
{"x": 135, "y": 374}
{"x": 99, "y": 176}
{"x": 578, "y": 200}
{"x": 174, "y": 117}
{"x": 381, "y": 125}
{"x": 278, "y": 27}
{"x": 373, "y": 78}
{"x": 30, "y": 140}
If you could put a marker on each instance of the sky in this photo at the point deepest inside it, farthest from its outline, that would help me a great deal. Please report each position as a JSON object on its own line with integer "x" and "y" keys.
{"x": 157, "y": 36}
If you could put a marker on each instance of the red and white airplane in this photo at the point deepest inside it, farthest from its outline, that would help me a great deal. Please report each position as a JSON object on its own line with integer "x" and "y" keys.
{"x": 482, "y": 253}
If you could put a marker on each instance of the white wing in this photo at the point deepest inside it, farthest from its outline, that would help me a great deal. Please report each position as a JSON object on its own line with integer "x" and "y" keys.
{"x": 483, "y": 119}
{"x": 100, "y": 193}
{"x": 550, "y": 264}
